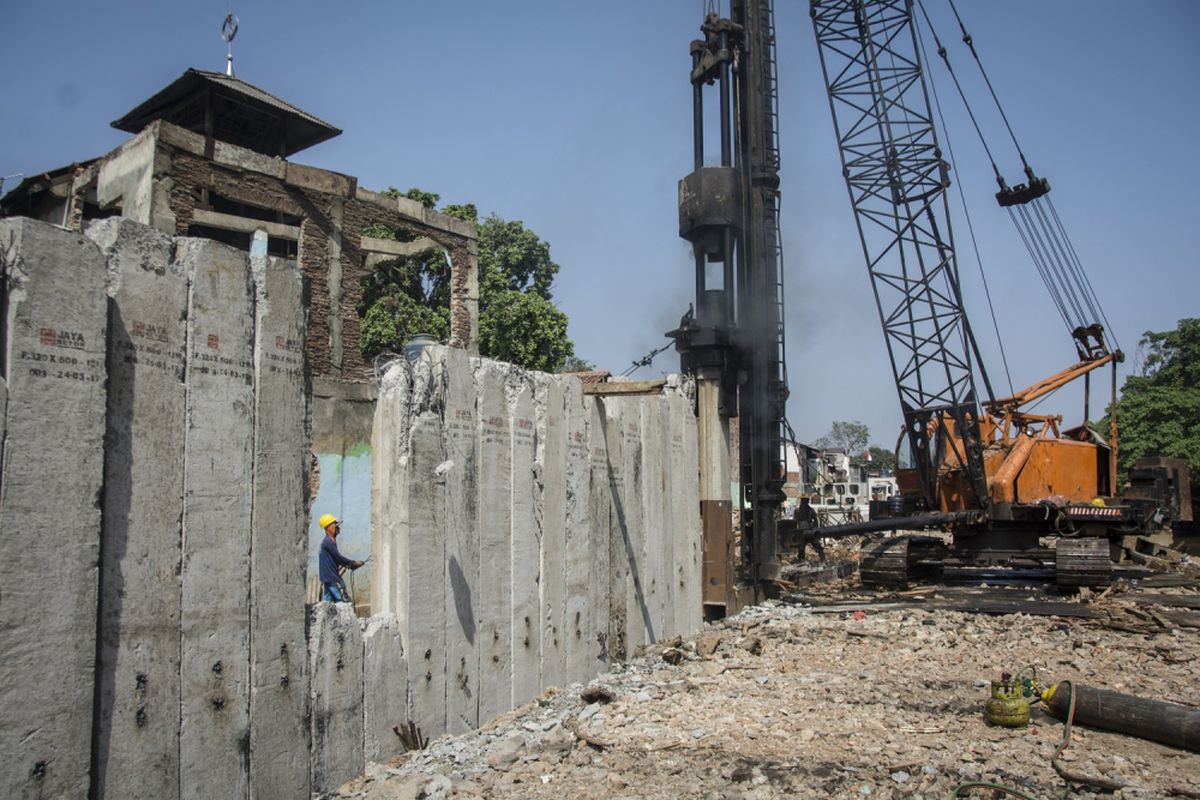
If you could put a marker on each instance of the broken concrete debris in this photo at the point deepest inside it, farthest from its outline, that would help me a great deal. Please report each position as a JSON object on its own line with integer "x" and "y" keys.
{"x": 781, "y": 702}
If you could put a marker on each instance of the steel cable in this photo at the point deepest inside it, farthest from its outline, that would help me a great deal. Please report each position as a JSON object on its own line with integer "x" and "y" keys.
{"x": 1062, "y": 311}
{"x": 970, "y": 42}
{"x": 941, "y": 50}
{"x": 1083, "y": 273}
{"x": 1054, "y": 249}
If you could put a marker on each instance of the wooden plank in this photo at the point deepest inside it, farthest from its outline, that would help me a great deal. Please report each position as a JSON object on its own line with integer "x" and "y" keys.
{"x": 625, "y": 387}
{"x": 1172, "y": 600}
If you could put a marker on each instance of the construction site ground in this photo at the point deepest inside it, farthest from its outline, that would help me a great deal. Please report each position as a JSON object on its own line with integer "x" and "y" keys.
{"x": 838, "y": 691}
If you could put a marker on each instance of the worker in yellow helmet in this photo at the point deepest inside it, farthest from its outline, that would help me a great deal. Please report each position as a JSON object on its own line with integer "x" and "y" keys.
{"x": 333, "y": 588}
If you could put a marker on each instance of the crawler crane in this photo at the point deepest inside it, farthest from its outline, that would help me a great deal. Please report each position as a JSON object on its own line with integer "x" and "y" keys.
{"x": 1003, "y": 480}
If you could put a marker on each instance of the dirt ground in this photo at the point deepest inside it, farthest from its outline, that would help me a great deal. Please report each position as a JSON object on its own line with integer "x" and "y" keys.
{"x": 841, "y": 692}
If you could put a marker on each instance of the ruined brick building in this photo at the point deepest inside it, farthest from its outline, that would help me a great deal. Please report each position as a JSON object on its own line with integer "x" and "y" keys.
{"x": 210, "y": 157}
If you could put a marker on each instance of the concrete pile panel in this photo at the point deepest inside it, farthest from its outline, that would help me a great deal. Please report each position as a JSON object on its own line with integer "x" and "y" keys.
{"x": 389, "y": 488}
{"x": 620, "y": 607}
{"x": 335, "y": 653}
{"x": 495, "y": 540}
{"x": 550, "y": 467}
{"x": 423, "y": 552}
{"x": 684, "y": 489}
{"x": 462, "y": 542}
{"x": 136, "y": 745}
{"x": 51, "y": 479}
{"x": 279, "y": 530}
{"x": 578, "y": 623}
{"x": 639, "y": 621}
{"x": 600, "y": 510}
{"x": 655, "y": 539}
{"x": 385, "y": 676}
{"x": 526, "y": 544}
{"x": 214, "y": 612}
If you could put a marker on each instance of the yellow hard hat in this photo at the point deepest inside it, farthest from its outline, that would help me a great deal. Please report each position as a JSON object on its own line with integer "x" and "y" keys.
{"x": 1098, "y": 502}
{"x": 326, "y": 520}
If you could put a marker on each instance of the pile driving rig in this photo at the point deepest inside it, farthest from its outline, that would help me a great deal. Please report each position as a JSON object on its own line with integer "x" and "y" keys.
{"x": 732, "y": 339}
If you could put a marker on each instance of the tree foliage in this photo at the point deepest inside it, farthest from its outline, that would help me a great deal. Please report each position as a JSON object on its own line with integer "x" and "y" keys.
{"x": 518, "y": 321}
{"x": 1158, "y": 413}
{"x": 576, "y": 364}
{"x": 850, "y": 436}
{"x": 882, "y": 459}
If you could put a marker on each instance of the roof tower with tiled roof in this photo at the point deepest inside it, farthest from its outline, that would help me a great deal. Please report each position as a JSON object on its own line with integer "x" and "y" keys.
{"x": 228, "y": 109}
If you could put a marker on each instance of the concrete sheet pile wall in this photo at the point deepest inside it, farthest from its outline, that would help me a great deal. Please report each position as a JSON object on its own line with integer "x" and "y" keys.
{"x": 528, "y": 534}
{"x": 160, "y": 646}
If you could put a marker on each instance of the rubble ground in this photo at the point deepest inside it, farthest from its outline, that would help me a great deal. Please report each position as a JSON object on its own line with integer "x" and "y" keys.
{"x": 785, "y": 700}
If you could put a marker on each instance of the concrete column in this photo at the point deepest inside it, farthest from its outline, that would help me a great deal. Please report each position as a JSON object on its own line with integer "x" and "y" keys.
{"x": 525, "y": 553}
{"x": 333, "y": 282}
{"x": 578, "y": 621}
{"x": 279, "y": 738}
{"x": 462, "y": 543}
{"x": 214, "y": 611}
{"x": 551, "y": 486}
{"x": 495, "y": 543}
{"x": 49, "y": 510}
{"x": 464, "y": 298}
{"x": 335, "y": 652}
{"x": 599, "y": 544}
{"x": 136, "y": 743}
{"x": 385, "y": 676}
{"x": 656, "y": 552}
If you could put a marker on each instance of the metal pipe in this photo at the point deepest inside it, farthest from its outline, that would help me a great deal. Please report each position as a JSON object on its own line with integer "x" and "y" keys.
{"x": 697, "y": 114}
{"x": 728, "y": 298}
{"x": 1112, "y": 433}
{"x": 726, "y": 129}
{"x": 1003, "y": 488}
{"x": 931, "y": 520}
{"x": 1087, "y": 395}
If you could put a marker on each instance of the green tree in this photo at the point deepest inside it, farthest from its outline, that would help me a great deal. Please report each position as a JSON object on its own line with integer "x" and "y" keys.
{"x": 1158, "y": 413}
{"x": 576, "y": 364}
{"x": 518, "y": 321}
{"x": 850, "y": 436}
{"x": 882, "y": 459}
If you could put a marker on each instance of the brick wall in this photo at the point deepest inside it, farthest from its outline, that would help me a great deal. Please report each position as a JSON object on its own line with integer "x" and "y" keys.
{"x": 190, "y": 173}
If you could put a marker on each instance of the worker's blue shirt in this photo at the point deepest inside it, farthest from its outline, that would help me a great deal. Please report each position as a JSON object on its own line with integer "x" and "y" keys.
{"x": 330, "y": 559}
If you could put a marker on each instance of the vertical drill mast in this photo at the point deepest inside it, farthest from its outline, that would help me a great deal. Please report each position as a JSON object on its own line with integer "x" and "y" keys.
{"x": 730, "y": 214}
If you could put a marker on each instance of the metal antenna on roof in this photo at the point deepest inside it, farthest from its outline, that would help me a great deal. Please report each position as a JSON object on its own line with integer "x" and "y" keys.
{"x": 229, "y": 29}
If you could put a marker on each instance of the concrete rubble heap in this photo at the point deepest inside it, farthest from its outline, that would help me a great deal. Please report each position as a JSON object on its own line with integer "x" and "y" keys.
{"x": 782, "y": 702}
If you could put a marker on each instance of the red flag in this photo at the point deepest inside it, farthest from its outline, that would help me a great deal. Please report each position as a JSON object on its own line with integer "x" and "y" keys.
{"x": 868, "y": 454}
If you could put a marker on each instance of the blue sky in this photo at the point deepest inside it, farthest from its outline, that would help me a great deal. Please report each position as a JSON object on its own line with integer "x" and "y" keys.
{"x": 576, "y": 119}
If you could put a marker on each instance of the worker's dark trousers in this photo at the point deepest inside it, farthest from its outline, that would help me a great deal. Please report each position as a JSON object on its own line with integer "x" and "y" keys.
{"x": 334, "y": 593}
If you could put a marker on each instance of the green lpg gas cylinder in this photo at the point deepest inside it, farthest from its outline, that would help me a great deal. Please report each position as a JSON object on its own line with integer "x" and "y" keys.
{"x": 1007, "y": 706}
